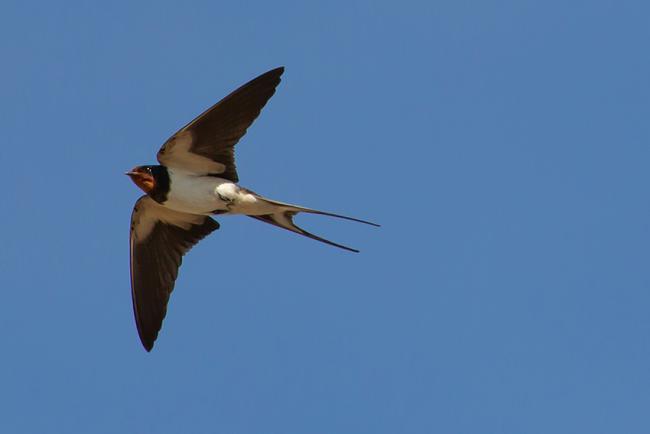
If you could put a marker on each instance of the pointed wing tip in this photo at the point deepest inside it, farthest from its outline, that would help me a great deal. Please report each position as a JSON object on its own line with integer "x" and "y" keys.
{"x": 275, "y": 72}
{"x": 148, "y": 345}
{"x": 146, "y": 339}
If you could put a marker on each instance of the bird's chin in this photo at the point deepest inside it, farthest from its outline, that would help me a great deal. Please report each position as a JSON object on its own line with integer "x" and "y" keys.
{"x": 144, "y": 182}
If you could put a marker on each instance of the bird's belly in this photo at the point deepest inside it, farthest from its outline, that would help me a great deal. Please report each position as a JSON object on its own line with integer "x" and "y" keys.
{"x": 196, "y": 194}
{"x": 211, "y": 195}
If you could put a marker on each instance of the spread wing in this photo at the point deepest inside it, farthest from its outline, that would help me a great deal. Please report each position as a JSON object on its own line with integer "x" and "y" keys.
{"x": 159, "y": 239}
{"x": 206, "y": 145}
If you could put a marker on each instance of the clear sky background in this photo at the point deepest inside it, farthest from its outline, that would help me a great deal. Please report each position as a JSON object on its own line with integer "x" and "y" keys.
{"x": 503, "y": 146}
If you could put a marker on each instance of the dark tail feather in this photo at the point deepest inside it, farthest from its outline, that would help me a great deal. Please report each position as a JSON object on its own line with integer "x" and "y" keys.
{"x": 314, "y": 211}
{"x": 296, "y": 208}
{"x": 285, "y": 220}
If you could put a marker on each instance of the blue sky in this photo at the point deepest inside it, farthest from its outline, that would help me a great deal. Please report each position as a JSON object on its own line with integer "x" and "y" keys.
{"x": 503, "y": 146}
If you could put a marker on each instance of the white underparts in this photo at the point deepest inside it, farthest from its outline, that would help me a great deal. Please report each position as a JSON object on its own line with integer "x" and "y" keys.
{"x": 207, "y": 195}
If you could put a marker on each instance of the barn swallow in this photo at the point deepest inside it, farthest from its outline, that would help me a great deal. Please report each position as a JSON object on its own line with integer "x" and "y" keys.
{"x": 196, "y": 179}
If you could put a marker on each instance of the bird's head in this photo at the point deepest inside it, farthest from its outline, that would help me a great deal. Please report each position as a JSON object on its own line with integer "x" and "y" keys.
{"x": 143, "y": 177}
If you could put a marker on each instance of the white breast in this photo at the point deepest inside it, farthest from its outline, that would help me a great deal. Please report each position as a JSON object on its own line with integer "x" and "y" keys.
{"x": 195, "y": 194}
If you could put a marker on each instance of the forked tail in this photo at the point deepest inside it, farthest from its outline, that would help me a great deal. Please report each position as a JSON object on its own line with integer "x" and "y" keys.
{"x": 283, "y": 218}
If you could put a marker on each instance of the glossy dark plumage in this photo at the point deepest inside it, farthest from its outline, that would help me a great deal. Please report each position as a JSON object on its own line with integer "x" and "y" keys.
{"x": 197, "y": 178}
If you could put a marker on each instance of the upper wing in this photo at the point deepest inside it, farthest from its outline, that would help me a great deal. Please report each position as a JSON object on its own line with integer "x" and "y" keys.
{"x": 159, "y": 238}
{"x": 205, "y": 145}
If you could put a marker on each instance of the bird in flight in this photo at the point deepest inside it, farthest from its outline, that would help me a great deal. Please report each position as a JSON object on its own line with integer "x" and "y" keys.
{"x": 196, "y": 179}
